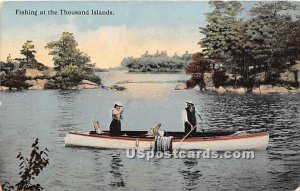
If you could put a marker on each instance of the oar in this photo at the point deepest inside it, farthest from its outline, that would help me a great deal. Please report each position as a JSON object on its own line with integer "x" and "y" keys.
{"x": 180, "y": 143}
{"x": 186, "y": 137}
{"x": 189, "y": 132}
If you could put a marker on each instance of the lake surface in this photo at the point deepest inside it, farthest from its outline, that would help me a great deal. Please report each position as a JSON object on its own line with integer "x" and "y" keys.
{"x": 50, "y": 114}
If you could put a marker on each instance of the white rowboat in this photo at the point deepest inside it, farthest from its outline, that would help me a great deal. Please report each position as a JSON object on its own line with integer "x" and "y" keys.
{"x": 201, "y": 141}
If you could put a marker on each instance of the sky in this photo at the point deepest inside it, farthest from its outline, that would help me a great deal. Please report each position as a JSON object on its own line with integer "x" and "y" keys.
{"x": 135, "y": 27}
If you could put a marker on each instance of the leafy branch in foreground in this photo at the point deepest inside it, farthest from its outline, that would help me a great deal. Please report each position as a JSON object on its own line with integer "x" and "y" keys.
{"x": 30, "y": 169}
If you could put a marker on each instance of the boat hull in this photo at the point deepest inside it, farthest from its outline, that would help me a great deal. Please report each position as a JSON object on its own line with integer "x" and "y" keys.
{"x": 253, "y": 141}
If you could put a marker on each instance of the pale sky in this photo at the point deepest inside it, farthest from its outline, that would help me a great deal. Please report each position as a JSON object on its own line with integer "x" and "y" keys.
{"x": 135, "y": 27}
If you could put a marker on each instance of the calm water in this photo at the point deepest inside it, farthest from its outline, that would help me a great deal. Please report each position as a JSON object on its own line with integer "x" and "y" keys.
{"x": 49, "y": 115}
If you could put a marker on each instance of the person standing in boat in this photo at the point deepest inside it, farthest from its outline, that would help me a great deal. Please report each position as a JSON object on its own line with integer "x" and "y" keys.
{"x": 189, "y": 118}
{"x": 115, "y": 125}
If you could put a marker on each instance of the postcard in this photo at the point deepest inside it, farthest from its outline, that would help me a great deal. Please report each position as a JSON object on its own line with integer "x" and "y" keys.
{"x": 149, "y": 95}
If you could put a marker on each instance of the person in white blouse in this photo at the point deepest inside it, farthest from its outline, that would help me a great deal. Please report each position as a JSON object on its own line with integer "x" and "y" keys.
{"x": 189, "y": 118}
{"x": 115, "y": 125}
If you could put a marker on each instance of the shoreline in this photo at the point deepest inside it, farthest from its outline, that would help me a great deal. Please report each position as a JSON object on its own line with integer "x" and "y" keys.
{"x": 136, "y": 72}
{"x": 39, "y": 80}
{"x": 260, "y": 90}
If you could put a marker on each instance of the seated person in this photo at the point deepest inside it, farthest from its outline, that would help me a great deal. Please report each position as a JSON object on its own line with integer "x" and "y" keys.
{"x": 154, "y": 131}
{"x": 97, "y": 127}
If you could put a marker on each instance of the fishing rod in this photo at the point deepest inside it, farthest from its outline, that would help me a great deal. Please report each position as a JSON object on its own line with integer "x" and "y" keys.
{"x": 126, "y": 104}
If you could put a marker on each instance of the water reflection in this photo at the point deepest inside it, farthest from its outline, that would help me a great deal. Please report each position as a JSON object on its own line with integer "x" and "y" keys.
{"x": 191, "y": 174}
{"x": 67, "y": 102}
{"x": 117, "y": 179}
{"x": 1, "y": 166}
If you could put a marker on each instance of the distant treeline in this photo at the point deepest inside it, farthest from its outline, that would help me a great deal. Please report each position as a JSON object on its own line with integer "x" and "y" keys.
{"x": 101, "y": 70}
{"x": 158, "y": 62}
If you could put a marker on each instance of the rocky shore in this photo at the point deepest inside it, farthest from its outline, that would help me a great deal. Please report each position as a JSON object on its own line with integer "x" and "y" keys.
{"x": 287, "y": 76}
{"x": 39, "y": 84}
{"x": 263, "y": 89}
{"x": 38, "y": 80}
{"x": 287, "y": 82}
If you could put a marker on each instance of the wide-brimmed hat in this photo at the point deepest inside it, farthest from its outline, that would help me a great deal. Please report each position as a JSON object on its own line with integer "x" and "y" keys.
{"x": 189, "y": 103}
{"x": 118, "y": 104}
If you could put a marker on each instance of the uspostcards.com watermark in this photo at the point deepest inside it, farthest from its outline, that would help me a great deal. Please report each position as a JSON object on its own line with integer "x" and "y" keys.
{"x": 182, "y": 154}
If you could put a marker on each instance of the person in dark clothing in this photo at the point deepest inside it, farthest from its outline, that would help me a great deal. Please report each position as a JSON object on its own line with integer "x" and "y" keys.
{"x": 115, "y": 125}
{"x": 189, "y": 118}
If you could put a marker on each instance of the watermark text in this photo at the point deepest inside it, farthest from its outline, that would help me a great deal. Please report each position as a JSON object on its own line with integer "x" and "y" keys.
{"x": 182, "y": 154}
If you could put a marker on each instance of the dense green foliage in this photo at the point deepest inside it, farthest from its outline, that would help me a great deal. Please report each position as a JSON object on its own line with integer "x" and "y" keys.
{"x": 219, "y": 77}
{"x": 12, "y": 75}
{"x": 71, "y": 64}
{"x": 158, "y": 62}
{"x": 267, "y": 42}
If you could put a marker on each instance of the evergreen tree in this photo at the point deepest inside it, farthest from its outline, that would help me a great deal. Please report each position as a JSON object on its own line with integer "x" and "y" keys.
{"x": 222, "y": 35}
{"x": 263, "y": 43}
{"x": 29, "y": 53}
{"x": 72, "y": 64}
{"x": 292, "y": 40}
{"x": 266, "y": 33}
{"x": 65, "y": 52}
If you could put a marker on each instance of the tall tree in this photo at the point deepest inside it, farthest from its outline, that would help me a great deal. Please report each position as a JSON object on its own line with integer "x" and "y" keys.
{"x": 266, "y": 33}
{"x": 65, "y": 52}
{"x": 72, "y": 64}
{"x": 292, "y": 41}
{"x": 29, "y": 61}
{"x": 222, "y": 39}
{"x": 289, "y": 36}
{"x": 234, "y": 40}
{"x": 28, "y": 51}
{"x": 213, "y": 43}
